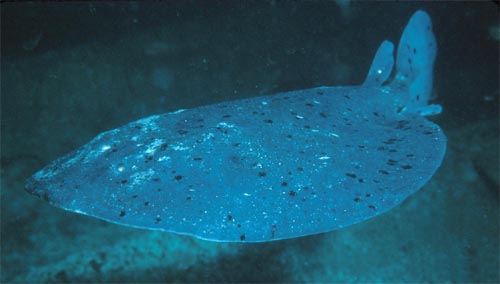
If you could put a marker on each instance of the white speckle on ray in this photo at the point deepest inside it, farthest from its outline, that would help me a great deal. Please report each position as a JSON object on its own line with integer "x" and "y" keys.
{"x": 105, "y": 148}
{"x": 207, "y": 136}
{"x": 121, "y": 168}
{"x": 140, "y": 177}
{"x": 225, "y": 125}
{"x": 178, "y": 111}
{"x": 386, "y": 90}
{"x": 147, "y": 120}
{"x": 179, "y": 147}
{"x": 154, "y": 146}
{"x": 163, "y": 158}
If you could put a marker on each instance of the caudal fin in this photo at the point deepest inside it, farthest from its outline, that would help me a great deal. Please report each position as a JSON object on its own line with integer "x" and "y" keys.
{"x": 415, "y": 63}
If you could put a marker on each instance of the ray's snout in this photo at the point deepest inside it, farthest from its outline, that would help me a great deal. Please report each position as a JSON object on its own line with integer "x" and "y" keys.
{"x": 35, "y": 187}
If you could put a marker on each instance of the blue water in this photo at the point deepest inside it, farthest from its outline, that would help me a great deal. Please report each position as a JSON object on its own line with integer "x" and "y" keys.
{"x": 72, "y": 70}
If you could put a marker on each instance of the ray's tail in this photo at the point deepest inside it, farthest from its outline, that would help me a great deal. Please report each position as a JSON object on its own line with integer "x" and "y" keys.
{"x": 414, "y": 66}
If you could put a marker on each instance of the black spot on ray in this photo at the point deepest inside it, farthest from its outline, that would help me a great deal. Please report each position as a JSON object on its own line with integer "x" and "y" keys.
{"x": 148, "y": 159}
{"x": 273, "y": 231}
{"x": 391, "y": 162}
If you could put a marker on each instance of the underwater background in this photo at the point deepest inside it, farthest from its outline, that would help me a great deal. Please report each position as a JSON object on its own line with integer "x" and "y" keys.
{"x": 70, "y": 71}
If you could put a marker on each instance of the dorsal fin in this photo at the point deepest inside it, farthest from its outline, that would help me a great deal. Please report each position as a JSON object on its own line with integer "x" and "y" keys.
{"x": 382, "y": 64}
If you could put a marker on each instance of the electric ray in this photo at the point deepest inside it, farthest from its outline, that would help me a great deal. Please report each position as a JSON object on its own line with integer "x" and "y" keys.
{"x": 269, "y": 167}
